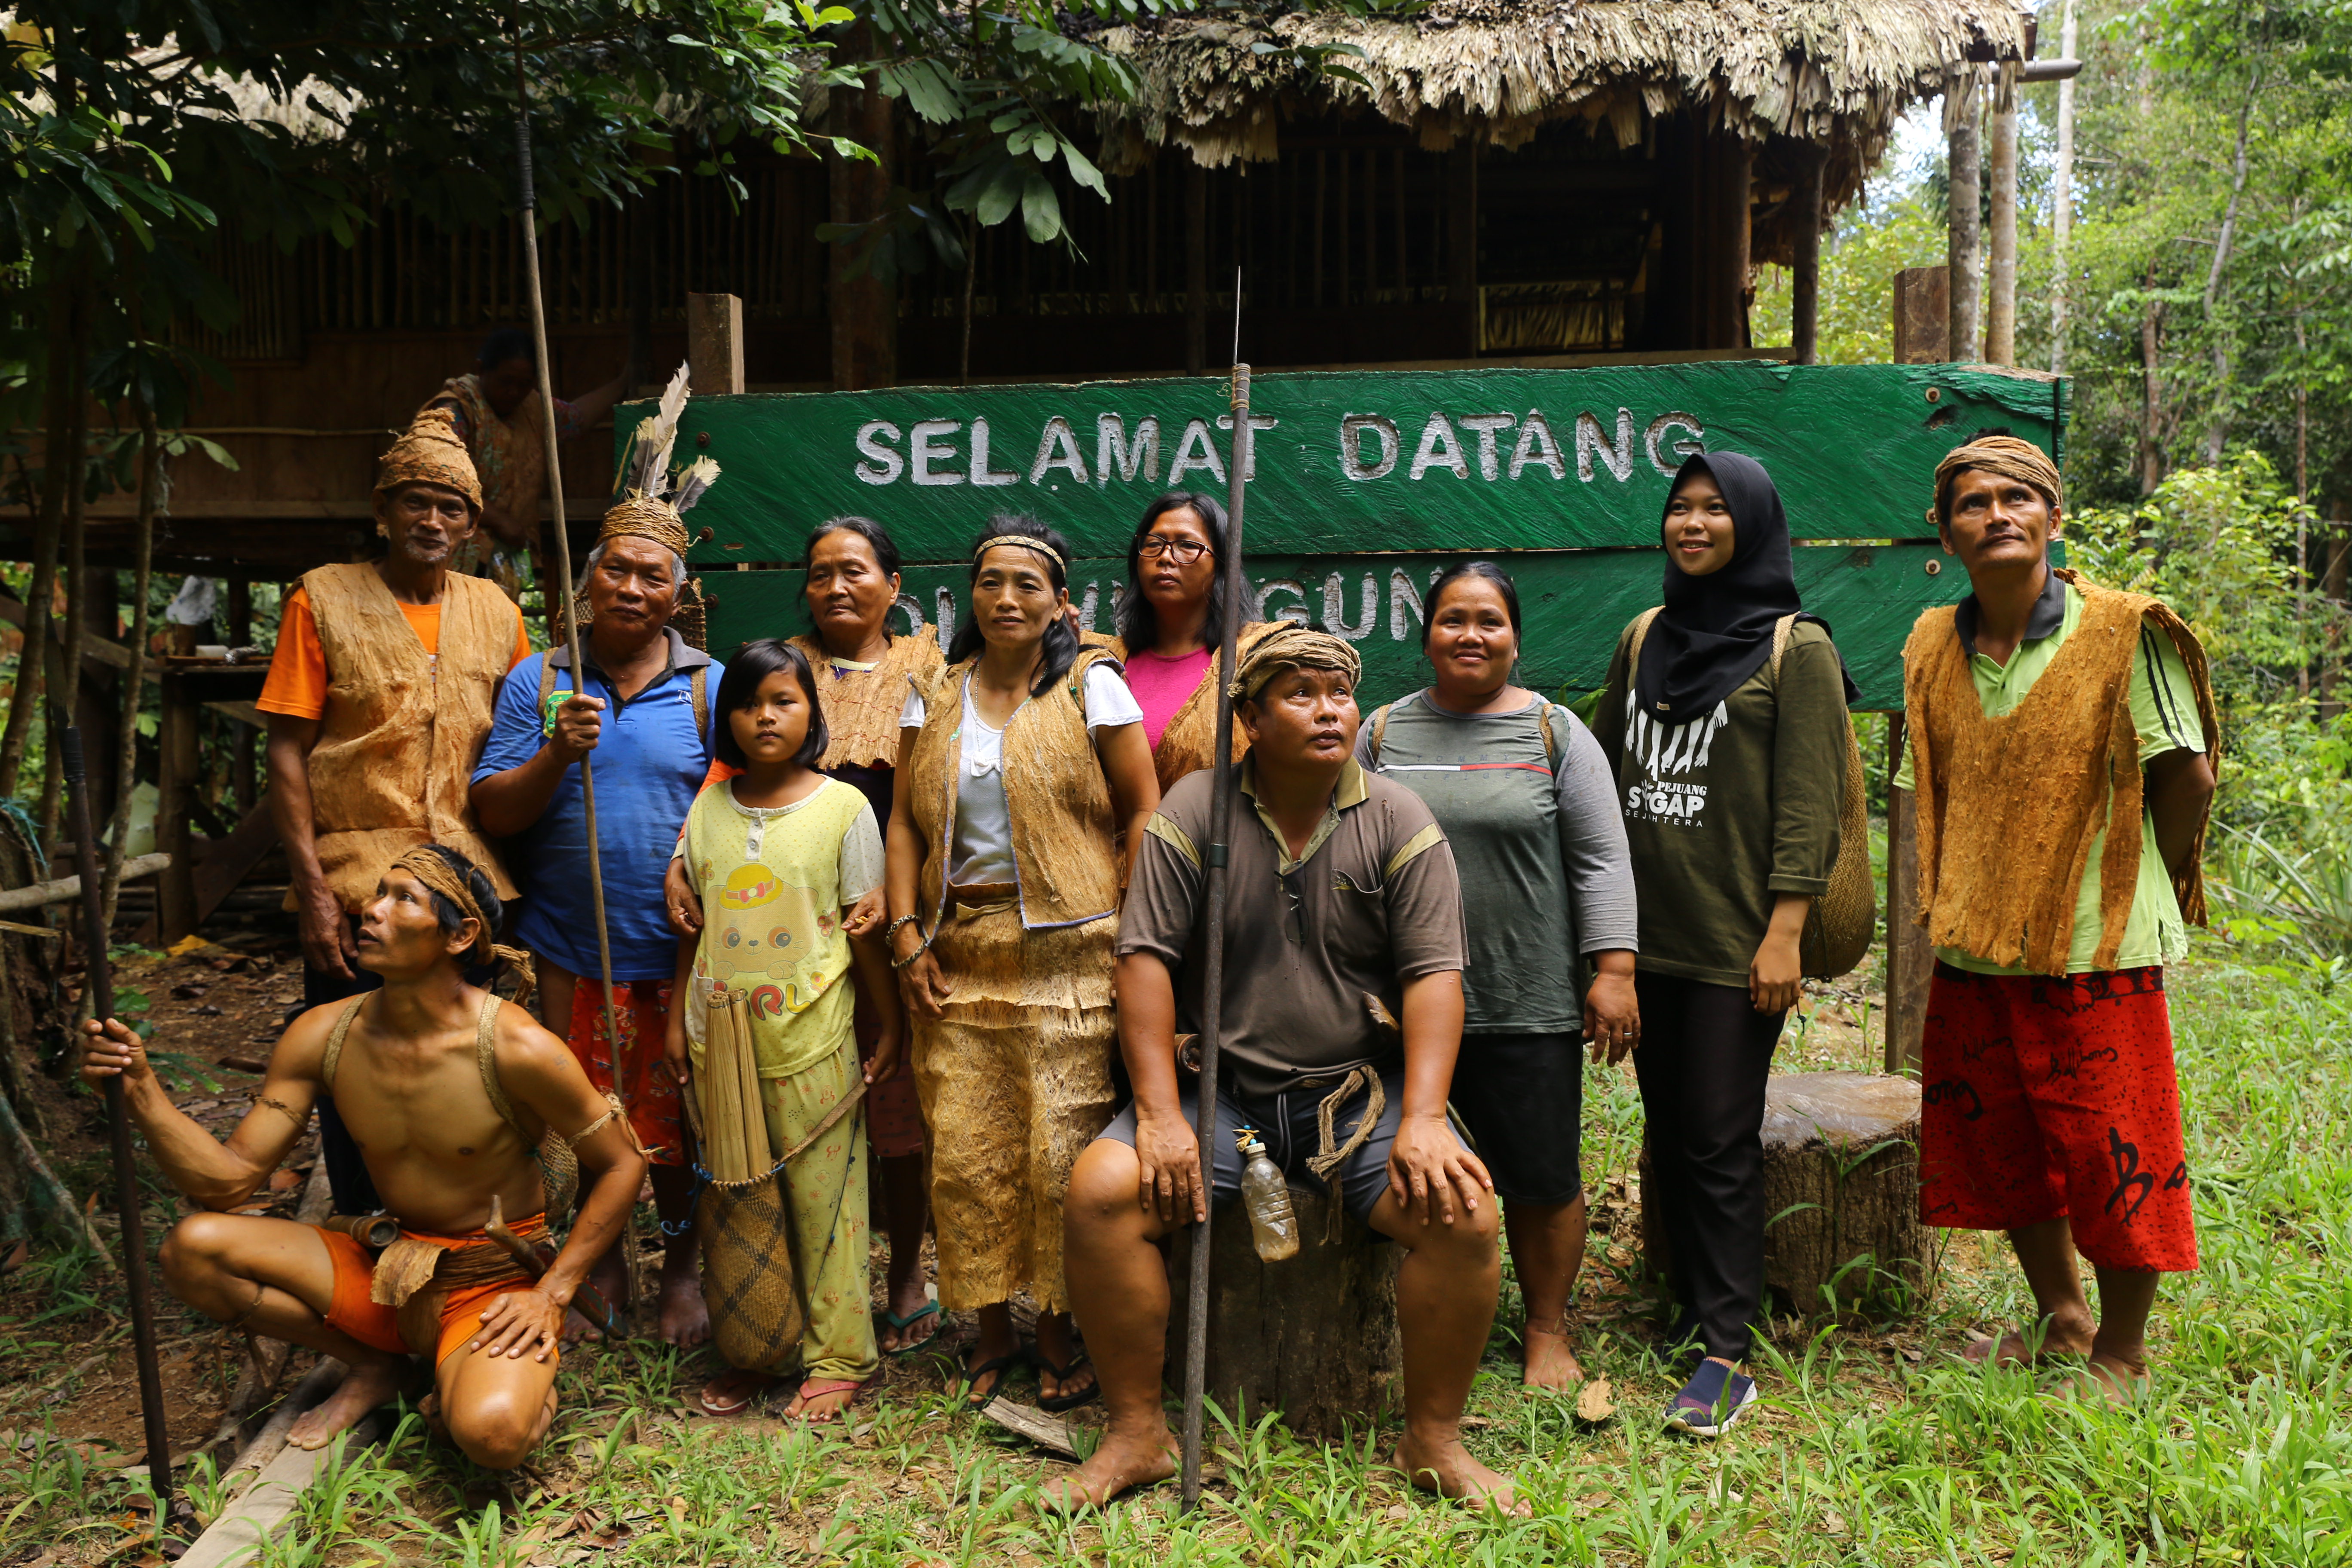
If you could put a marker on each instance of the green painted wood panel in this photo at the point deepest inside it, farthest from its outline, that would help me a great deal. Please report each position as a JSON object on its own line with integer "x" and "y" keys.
{"x": 1574, "y": 603}
{"x": 1351, "y": 462}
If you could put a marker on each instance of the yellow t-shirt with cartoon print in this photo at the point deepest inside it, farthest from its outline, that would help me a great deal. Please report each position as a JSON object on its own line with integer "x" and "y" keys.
{"x": 774, "y": 883}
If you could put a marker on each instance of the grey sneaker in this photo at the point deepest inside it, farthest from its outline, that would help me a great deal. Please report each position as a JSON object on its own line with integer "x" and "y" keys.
{"x": 1711, "y": 1401}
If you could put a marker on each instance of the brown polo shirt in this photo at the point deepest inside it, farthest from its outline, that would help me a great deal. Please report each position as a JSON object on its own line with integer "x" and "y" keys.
{"x": 1374, "y": 902}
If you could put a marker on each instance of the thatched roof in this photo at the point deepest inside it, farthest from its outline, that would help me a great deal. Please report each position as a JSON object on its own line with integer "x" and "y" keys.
{"x": 1836, "y": 73}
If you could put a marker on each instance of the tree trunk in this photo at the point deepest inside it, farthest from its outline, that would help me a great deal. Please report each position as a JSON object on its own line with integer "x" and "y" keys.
{"x": 2151, "y": 404}
{"x": 1314, "y": 1336}
{"x": 126, "y": 774}
{"x": 2062, "y": 206}
{"x": 1805, "y": 292}
{"x": 2217, "y": 428}
{"x": 2001, "y": 314}
{"x": 65, "y": 684}
{"x": 1963, "y": 236}
{"x": 865, "y": 309}
{"x": 59, "y": 470}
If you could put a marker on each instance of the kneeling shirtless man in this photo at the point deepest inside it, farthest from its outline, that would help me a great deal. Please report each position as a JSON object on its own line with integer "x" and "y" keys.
{"x": 1343, "y": 915}
{"x": 448, "y": 1092}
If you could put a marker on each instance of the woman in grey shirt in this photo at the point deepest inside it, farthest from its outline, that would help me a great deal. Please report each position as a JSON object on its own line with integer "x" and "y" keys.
{"x": 1524, "y": 798}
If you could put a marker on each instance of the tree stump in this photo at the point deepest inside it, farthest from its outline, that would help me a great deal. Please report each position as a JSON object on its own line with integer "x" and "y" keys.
{"x": 1841, "y": 1191}
{"x": 1314, "y": 1336}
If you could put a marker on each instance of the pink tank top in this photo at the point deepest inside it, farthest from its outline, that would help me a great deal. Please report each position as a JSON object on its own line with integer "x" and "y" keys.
{"x": 1162, "y": 685}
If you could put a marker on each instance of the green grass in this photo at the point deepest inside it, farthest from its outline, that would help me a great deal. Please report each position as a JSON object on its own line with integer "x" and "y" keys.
{"x": 1876, "y": 1446}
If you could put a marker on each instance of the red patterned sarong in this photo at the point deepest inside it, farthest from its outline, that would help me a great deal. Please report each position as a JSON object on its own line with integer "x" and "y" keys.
{"x": 2049, "y": 1097}
{"x": 641, "y": 1009}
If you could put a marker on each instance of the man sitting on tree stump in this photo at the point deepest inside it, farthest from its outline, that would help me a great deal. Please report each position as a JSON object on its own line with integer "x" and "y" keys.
{"x": 2044, "y": 709}
{"x": 1342, "y": 1012}
{"x": 449, "y": 1094}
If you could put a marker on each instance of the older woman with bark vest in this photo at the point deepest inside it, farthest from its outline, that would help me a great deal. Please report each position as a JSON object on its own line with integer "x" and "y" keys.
{"x": 1019, "y": 765}
{"x": 379, "y": 698}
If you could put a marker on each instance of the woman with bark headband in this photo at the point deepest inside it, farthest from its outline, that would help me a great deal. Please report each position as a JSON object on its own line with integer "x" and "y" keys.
{"x": 1021, "y": 763}
{"x": 1170, "y": 625}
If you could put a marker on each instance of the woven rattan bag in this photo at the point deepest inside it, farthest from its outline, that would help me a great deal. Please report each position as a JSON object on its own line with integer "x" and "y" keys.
{"x": 748, "y": 1282}
{"x": 1842, "y": 921}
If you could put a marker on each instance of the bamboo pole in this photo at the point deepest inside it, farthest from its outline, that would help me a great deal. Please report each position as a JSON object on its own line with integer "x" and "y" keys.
{"x": 570, "y": 622}
{"x": 1213, "y": 957}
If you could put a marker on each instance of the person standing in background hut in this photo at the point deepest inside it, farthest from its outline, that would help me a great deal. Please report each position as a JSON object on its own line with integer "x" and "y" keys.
{"x": 495, "y": 410}
{"x": 2042, "y": 710}
{"x": 644, "y": 714}
{"x": 1526, "y": 799}
{"x": 379, "y": 696}
{"x": 1724, "y": 717}
{"x": 1169, "y": 625}
{"x": 779, "y": 854}
{"x": 862, "y": 681}
{"x": 1019, "y": 766}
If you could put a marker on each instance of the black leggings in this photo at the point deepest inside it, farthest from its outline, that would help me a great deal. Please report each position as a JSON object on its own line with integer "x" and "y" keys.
{"x": 1705, "y": 1055}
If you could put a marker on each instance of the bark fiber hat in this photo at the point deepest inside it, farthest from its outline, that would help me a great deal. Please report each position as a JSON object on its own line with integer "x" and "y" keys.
{"x": 1294, "y": 647}
{"x": 430, "y": 452}
{"x": 2004, "y": 455}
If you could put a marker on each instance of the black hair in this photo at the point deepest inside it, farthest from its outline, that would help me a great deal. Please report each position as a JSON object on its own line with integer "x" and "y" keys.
{"x": 485, "y": 896}
{"x": 1061, "y": 645}
{"x": 746, "y": 672}
{"x": 885, "y": 552}
{"x": 504, "y": 343}
{"x": 1139, "y": 623}
{"x": 1486, "y": 571}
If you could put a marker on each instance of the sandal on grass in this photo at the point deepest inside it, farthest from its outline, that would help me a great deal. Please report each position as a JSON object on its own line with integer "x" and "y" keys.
{"x": 1062, "y": 1374}
{"x": 1002, "y": 1366}
{"x": 819, "y": 1388}
{"x": 927, "y": 1310}
{"x": 734, "y": 1391}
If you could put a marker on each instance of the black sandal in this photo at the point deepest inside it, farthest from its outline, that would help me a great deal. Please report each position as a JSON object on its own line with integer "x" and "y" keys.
{"x": 1002, "y": 1366}
{"x": 1065, "y": 1401}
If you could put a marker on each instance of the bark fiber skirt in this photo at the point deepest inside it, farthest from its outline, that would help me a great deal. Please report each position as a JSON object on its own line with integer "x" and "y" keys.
{"x": 1015, "y": 1082}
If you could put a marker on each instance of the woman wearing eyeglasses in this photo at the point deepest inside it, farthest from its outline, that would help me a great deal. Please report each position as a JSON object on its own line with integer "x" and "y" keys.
{"x": 1169, "y": 629}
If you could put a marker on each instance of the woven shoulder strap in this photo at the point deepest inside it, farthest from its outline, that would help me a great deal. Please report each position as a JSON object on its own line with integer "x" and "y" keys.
{"x": 696, "y": 682}
{"x": 1551, "y": 742}
{"x": 1090, "y": 656}
{"x": 334, "y": 1055}
{"x": 1782, "y": 629}
{"x": 1379, "y": 731}
{"x": 546, "y": 682}
{"x": 1641, "y": 632}
{"x": 486, "y": 1059}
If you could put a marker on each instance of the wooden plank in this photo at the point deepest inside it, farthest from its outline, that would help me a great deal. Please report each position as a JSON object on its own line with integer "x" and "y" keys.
{"x": 226, "y": 865}
{"x": 1493, "y": 459}
{"x": 714, "y": 342}
{"x": 61, "y": 890}
{"x": 1574, "y": 603}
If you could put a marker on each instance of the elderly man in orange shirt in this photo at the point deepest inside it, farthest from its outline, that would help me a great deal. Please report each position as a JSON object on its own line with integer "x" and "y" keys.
{"x": 379, "y": 699}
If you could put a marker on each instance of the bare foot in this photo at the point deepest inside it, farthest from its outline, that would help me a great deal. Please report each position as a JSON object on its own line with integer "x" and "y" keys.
{"x": 367, "y": 1385}
{"x": 2011, "y": 1349}
{"x": 822, "y": 1400}
{"x": 684, "y": 1320}
{"x": 1549, "y": 1365}
{"x": 2121, "y": 1382}
{"x": 1123, "y": 1461}
{"x": 611, "y": 1277}
{"x": 1447, "y": 1470}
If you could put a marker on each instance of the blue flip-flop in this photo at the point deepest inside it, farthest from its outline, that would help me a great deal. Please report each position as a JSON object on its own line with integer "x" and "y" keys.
{"x": 927, "y": 1310}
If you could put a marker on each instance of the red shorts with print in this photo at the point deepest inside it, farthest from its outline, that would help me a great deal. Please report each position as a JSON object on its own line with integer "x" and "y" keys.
{"x": 2049, "y": 1097}
{"x": 636, "y": 1071}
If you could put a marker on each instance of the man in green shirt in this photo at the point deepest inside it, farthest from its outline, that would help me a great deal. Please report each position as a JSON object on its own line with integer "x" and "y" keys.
{"x": 2052, "y": 1108}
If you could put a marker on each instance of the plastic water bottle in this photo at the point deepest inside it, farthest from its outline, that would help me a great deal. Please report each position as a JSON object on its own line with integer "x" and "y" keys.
{"x": 1274, "y": 1229}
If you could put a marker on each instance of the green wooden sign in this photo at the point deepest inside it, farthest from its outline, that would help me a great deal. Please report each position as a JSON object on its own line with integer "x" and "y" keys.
{"x": 1378, "y": 478}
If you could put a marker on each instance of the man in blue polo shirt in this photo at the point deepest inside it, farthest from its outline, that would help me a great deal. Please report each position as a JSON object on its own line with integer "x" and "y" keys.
{"x": 643, "y": 710}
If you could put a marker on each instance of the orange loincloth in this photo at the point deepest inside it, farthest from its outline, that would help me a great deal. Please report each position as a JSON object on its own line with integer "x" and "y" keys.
{"x": 376, "y": 1323}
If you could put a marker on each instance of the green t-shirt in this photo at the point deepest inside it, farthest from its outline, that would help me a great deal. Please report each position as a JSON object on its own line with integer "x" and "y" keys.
{"x": 2164, "y": 715}
{"x": 1730, "y": 809}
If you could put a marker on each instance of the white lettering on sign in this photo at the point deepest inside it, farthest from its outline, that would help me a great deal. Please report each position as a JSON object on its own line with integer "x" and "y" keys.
{"x": 981, "y": 474}
{"x": 1295, "y": 613}
{"x": 923, "y": 454}
{"x": 882, "y": 465}
{"x": 1689, "y": 448}
{"x": 1536, "y": 447}
{"x": 1057, "y": 448}
{"x": 912, "y": 608}
{"x": 1402, "y": 594}
{"x": 1335, "y": 608}
{"x": 1619, "y": 456}
{"x": 1371, "y": 448}
{"x": 1352, "y": 430}
{"x": 1195, "y": 440}
{"x": 1114, "y": 456}
{"x": 1439, "y": 449}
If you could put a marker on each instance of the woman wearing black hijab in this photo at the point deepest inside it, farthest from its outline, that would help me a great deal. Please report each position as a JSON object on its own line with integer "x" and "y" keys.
{"x": 1730, "y": 768}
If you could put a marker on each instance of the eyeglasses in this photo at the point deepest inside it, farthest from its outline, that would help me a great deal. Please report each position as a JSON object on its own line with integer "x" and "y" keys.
{"x": 1185, "y": 551}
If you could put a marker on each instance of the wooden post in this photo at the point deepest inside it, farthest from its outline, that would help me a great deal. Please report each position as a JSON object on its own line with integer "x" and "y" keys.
{"x": 1727, "y": 288}
{"x": 175, "y": 892}
{"x": 1910, "y": 961}
{"x": 865, "y": 309}
{"x": 714, "y": 343}
{"x": 2001, "y": 311}
{"x": 1962, "y": 236}
{"x": 1805, "y": 290}
{"x": 1461, "y": 240}
{"x": 1196, "y": 269}
{"x": 1923, "y": 310}
{"x": 2061, "y": 200}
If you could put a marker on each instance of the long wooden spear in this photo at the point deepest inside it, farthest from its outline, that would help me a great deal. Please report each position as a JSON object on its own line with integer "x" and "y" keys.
{"x": 1213, "y": 956}
{"x": 563, "y": 586}
{"x": 99, "y": 984}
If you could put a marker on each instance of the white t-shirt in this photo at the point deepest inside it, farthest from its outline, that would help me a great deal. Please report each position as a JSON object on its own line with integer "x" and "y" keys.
{"x": 981, "y": 851}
